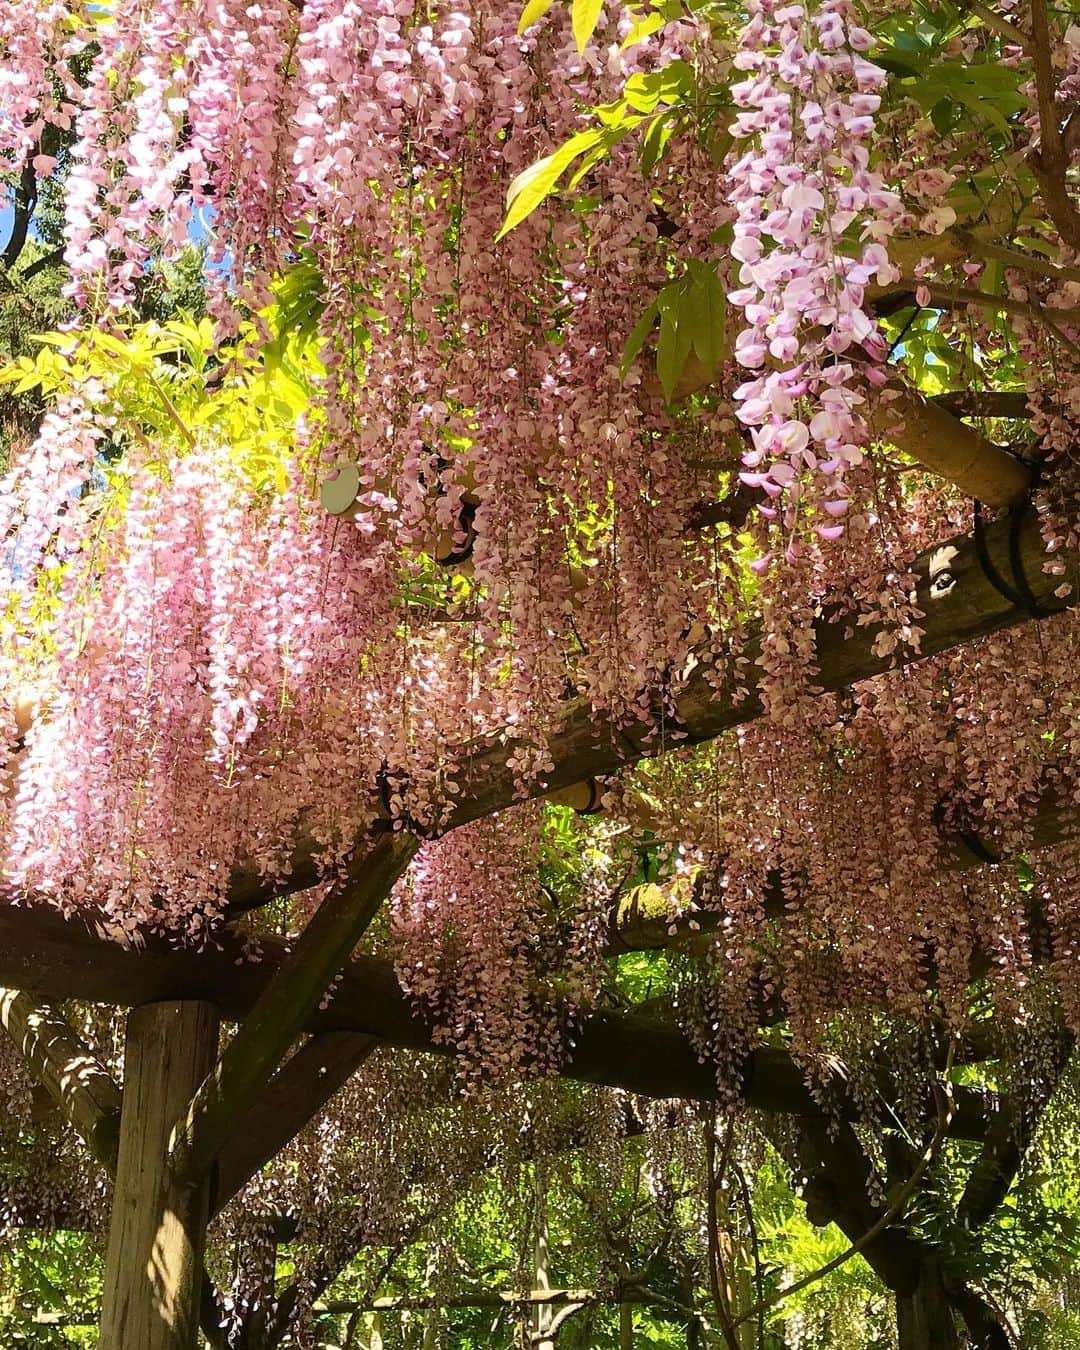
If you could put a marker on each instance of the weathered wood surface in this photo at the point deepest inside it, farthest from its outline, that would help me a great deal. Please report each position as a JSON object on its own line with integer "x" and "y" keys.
{"x": 81, "y": 1086}
{"x": 924, "y": 1318}
{"x": 279, "y": 1014}
{"x": 641, "y": 918}
{"x": 153, "y": 1266}
{"x": 296, "y": 1093}
{"x": 641, "y": 1055}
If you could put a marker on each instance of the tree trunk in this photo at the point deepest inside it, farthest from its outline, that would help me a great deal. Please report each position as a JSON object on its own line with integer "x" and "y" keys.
{"x": 626, "y": 1327}
{"x": 745, "y": 1295}
{"x": 540, "y": 1318}
{"x": 924, "y": 1318}
{"x": 432, "y": 1338}
{"x": 153, "y": 1266}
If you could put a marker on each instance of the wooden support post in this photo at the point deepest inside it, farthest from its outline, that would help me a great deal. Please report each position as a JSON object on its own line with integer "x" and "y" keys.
{"x": 81, "y": 1086}
{"x": 279, "y": 1014}
{"x": 153, "y": 1266}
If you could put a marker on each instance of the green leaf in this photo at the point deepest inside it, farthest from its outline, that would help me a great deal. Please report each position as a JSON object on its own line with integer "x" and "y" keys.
{"x": 673, "y": 83}
{"x": 533, "y": 12}
{"x": 643, "y": 28}
{"x": 705, "y": 310}
{"x": 638, "y": 334}
{"x": 536, "y": 182}
{"x": 655, "y": 141}
{"x": 608, "y": 138}
{"x": 672, "y": 350}
{"x": 584, "y": 16}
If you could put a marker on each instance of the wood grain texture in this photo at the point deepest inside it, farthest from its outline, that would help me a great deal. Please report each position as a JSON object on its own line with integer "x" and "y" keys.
{"x": 153, "y": 1266}
{"x": 81, "y": 1086}
{"x": 584, "y": 745}
{"x": 296, "y": 1093}
{"x": 641, "y": 1054}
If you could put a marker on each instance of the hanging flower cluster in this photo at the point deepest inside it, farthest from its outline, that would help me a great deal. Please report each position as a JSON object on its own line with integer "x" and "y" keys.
{"x": 38, "y": 85}
{"x": 218, "y": 663}
{"x": 813, "y": 220}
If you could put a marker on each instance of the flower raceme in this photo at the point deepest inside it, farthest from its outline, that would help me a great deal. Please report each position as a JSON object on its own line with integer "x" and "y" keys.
{"x": 221, "y": 662}
{"x": 806, "y": 200}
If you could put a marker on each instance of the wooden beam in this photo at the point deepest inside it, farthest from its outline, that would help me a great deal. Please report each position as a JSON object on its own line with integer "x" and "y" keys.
{"x": 153, "y": 1265}
{"x": 293, "y": 1097}
{"x": 638, "y": 1054}
{"x": 283, "y": 1008}
{"x": 932, "y": 436}
{"x": 641, "y": 918}
{"x": 499, "y": 1298}
{"x": 583, "y": 745}
{"x": 90, "y": 1100}
{"x": 82, "y": 1087}
{"x": 950, "y": 448}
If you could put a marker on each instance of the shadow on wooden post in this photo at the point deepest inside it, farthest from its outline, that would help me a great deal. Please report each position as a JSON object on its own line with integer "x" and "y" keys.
{"x": 153, "y": 1267}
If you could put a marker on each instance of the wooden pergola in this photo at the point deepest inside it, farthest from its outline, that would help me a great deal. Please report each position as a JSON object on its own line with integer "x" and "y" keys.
{"x": 191, "y": 1124}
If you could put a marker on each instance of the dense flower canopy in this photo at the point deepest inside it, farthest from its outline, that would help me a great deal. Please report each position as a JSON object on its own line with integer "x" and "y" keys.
{"x": 424, "y": 482}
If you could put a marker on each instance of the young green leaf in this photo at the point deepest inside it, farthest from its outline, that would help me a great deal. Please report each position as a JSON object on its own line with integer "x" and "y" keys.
{"x": 655, "y": 141}
{"x": 584, "y": 16}
{"x": 643, "y": 28}
{"x": 672, "y": 349}
{"x": 705, "y": 311}
{"x": 638, "y": 334}
{"x": 536, "y": 182}
{"x": 533, "y": 12}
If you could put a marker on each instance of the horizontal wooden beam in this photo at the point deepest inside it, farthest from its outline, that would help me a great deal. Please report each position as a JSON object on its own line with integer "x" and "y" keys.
{"x": 500, "y": 1298}
{"x": 584, "y": 745}
{"x": 644, "y": 918}
{"x": 39, "y": 948}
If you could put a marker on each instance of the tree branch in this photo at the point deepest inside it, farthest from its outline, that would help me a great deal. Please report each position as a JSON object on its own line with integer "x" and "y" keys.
{"x": 51, "y": 259}
{"x": 998, "y": 24}
{"x": 889, "y": 1216}
{"x": 22, "y": 213}
{"x": 1050, "y": 162}
{"x": 1048, "y": 315}
{"x": 1007, "y": 1139}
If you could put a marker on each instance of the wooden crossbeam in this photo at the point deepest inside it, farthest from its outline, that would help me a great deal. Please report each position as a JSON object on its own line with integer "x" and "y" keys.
{"x": 282, "y": 1009}
{"x": 583, "y": 745}
{"x": 293, "y": 1097}
{"x": 640, "y": 1055}
{"x": 641, "y": 918}
{"x": 81, "y": 1086}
